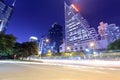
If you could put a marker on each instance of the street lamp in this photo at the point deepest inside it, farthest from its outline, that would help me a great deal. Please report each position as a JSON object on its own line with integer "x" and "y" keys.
{"x": 92, "y": 45}
{"x": 49, "y": 51}
{"x": 47, "y": 40}
{"x": 68, "y": 48}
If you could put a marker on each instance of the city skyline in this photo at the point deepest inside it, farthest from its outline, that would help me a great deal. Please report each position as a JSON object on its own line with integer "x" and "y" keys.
{"x": 34, "y": 18}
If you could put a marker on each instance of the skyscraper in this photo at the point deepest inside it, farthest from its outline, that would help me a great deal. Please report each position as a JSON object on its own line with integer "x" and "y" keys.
{"x": 113, "y": 32}
{"x": 52, "y": 40}
{"x": 6, "y": 10}
{"x": 55, "y": 35}
{"x": 110, "y": 32}
{"x": 44, "y": 44}
{"x": 78, "y": 32}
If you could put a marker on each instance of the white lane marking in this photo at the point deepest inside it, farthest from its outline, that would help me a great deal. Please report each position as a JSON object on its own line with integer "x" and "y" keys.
{"x": 86, "y": 69}
{"x": 113, "y": 69}
{"x": 101, "y": 68}
{"x": 100, "y": 72}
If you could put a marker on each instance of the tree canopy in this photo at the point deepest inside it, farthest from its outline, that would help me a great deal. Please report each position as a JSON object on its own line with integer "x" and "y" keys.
{"x": 25, "y": 49}
{"x": 6, "y": 44}
{"x": 114, "y": 46}
{"x": 10, "y": 49}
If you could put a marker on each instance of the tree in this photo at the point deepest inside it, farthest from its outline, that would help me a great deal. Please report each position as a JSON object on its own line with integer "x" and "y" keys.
{"x": 32, "y": 48}
{"x": 114, "y": 46}
{"x": 6, "y": 44}
{"x": 18, "y": 50}
{"x": 25, "y": 49}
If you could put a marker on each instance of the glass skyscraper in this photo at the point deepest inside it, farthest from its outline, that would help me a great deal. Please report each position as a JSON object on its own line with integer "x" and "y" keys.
{"x": 78, "y": 32}
{"x": 5, "y": 14}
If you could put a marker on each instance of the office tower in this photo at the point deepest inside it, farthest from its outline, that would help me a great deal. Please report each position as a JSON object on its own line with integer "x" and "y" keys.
{"x": 110, "y": 32}
{"x": 6, "y": 11}
{"x": 78, "y": 32}
{"x": 55, "y": 35}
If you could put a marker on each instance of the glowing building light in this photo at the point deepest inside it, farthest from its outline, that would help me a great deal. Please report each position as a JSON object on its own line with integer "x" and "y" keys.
{"x": 49, "y": 51}
{"x": 75, "y": 8}
{"x": 33, "y": 38}
{"x": 47, "y": 40}
{"x": 92, "y": 44}
{"x": 68, "y": 48}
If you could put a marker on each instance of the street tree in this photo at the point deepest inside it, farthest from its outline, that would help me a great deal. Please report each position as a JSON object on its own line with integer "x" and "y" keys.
{"x": 6, "y": 44}
{"x": 114, "y": 46}
{"x": 25, "y": 49}
{"x": 18, "y": 50}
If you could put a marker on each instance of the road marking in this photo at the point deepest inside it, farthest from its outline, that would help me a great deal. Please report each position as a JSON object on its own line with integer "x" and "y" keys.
{"x": 85, "y": 69}
{"x": 101, "y": 68}
{"x": 100, "y": 72}
{"x": 113, "y": 69}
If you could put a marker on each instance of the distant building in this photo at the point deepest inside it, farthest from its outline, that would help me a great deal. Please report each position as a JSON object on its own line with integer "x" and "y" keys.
{"x": 52, "y": 40}
{"x": 110, "y": 32}
{"x": 44, "y": 44}
{"x": 55, "y": 35}
{"x": 62, "y": 47}
{"x": 113, "y": 32}
{"x": 102, "y": 28}
{"x": 33, "y": 39}
{"x": 78, "y": 33}
{"x": 6, "y": 11}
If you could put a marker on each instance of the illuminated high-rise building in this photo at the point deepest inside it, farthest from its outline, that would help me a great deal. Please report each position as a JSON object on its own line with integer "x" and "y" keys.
{"x": 6, "y": 10}
{"x": 110, "y": 32}
{"x": 78, "y": 32}
{"x": 113, "y": 32}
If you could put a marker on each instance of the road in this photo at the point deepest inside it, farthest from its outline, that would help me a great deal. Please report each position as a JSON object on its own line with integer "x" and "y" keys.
{"x": 23, "y": 71}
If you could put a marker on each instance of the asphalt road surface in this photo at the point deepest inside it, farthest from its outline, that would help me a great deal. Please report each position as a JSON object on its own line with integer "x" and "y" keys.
{"x": 20, "y": 71}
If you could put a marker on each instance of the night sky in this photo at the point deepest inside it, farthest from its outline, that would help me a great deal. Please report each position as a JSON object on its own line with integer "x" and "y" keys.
{"x": 35, "y": 17}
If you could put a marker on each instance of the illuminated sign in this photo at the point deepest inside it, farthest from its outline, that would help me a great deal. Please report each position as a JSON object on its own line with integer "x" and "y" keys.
{"x": 75, "y": 8}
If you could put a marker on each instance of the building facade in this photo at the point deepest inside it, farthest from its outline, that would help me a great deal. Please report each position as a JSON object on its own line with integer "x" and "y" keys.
{"x": 55, "y": 34}
{"x": 113, "y": 32}
{"x": 44, "y": 44}
{"x": 6, "y": 11}
{"x": 109, "y": 32}
{"x": 78, "y": 33}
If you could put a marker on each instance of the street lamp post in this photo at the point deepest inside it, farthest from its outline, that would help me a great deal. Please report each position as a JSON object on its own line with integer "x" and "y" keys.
{"x": 92, "y": 45}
